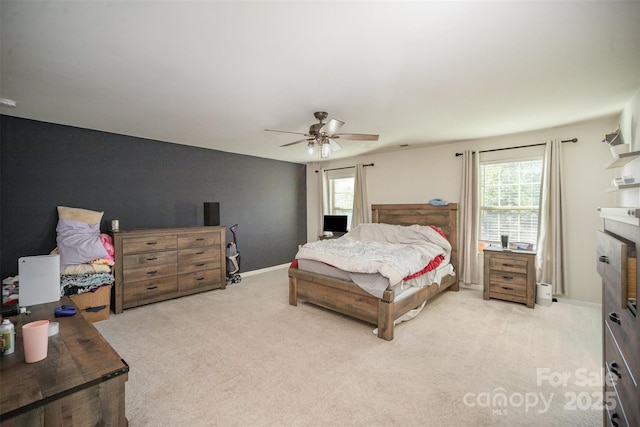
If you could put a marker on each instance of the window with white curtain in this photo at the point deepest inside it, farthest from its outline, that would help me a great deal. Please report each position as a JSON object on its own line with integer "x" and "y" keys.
{"x": 341, "y": 188}
{"x": 509, "y": 200}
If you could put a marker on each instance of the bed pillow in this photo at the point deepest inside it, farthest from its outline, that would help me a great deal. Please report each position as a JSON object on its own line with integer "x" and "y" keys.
{"x": 77, "y": 214}
{"x": 78, "y": 236}
{"x": 78, "y": 242}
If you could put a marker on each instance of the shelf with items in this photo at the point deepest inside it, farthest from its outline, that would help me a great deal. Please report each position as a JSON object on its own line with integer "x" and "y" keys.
{"x": 624, "y": 187}
{"x": 623, "y": 159}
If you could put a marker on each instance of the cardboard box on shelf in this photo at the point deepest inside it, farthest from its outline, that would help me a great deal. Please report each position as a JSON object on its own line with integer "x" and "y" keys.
{"x": 94, "y": 306}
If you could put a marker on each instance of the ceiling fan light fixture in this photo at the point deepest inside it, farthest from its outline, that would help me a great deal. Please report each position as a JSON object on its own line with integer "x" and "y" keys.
{"x": 310, "y": 147}
{"x": 325, "y": 150}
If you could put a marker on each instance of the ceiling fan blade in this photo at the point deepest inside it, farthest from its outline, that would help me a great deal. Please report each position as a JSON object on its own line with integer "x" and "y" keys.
{"x": 297, "y": 142}
{"x": 334, "y": 144}
{"x": 286, "y": 131}
{"x": 331, "y": 126}
{"x": 357, "y": 136}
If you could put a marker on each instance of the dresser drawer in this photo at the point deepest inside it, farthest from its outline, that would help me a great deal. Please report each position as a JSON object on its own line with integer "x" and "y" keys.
{"x": 621, "y": 324}
{"x": 199, "y": 279}
{"x": 614, "y": 412}
{"x": 508, "y": 283}
{"x": 148, "y": 290}
{"x": 189, "y": 256}
{"x": 150, "y": 259}
{"x": 509, "y": 264}
{"x": 198, "y": 266}
{"x": 148, "y": 243}
{"x": 620, "y": 377}
{"x": 149, "y": 272}
{"x": 196, "y": 240}
{"x": 611, "y": 257}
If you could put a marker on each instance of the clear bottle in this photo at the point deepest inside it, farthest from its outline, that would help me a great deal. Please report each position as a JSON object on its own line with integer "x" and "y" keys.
{"x": 9, "y": 334}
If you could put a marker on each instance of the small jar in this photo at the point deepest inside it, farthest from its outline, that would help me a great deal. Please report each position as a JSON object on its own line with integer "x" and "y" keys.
{"x": 8, "y": 332}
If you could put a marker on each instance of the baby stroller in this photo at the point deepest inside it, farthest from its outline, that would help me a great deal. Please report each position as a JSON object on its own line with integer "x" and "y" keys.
{"x": 233, "y": 259}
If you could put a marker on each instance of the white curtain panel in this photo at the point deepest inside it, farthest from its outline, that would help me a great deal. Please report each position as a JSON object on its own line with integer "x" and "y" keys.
{"x": 361, "y": 213}
{"x": 469, "y": 209}
{"x": 551, "y": 252}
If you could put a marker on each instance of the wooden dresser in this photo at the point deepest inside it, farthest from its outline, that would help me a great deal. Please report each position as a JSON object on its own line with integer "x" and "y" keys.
{"x": 157, "y": 264}
{"x": 510, "y": 276}
{"x": 81, "y": 382}
{"x": 617, "y": 265}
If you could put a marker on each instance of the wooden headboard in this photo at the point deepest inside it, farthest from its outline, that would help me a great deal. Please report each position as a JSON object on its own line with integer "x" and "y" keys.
{"x": 443, "y": 217}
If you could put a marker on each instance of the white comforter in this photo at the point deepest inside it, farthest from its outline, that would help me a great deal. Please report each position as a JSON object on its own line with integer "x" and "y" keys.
{"x": 393, "y": 251}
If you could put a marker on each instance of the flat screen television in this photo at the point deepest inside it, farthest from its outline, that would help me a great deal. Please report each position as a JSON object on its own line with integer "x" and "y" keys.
{"x": 336, "y": 224}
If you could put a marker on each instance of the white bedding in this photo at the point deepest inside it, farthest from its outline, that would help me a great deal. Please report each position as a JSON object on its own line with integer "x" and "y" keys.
{"x": 392, "y": 251}
{"x": 376, "y": 284}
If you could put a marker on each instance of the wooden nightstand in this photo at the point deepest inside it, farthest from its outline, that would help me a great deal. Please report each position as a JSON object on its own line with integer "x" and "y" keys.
{"x": 510, "y": 275}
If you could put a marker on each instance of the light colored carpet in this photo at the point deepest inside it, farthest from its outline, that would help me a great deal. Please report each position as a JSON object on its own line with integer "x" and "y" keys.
{"x": 244, "y": 357}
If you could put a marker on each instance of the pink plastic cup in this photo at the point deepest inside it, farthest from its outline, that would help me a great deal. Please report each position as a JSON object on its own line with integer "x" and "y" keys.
{"x": 35, "y": 338}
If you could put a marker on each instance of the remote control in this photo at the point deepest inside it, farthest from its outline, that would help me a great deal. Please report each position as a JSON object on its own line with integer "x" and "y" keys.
{"x": 64, "y": 311}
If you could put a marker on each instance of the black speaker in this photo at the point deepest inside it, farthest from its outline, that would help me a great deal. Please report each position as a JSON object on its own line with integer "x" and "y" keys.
{"x": 211, "y": 213}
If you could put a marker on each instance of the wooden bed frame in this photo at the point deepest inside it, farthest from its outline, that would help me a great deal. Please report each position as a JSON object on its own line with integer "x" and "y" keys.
{"x": 348, "y": 298}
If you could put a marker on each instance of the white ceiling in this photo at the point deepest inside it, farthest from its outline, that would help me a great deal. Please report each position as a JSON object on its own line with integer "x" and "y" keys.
{"x": 215, "y": 74}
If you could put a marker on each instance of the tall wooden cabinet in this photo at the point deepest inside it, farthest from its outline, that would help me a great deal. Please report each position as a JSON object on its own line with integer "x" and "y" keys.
{"x": 617, "y": 265}
{"x": 157, "y": 264}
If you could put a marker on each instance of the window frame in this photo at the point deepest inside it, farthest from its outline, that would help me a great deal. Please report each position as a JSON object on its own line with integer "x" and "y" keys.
{"x": 506, "y": 160}
{"x": 331, "y": 208}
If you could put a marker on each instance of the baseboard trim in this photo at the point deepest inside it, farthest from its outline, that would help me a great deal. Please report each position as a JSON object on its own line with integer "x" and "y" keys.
{"x": 264, "y": 270}
{"x": 473, "y": 286}
{"x": 565, "y": 300}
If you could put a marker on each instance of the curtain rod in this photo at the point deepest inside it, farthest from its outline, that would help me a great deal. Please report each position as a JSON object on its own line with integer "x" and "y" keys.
{"x": 574, "y": 140}
{"x": 346, "y": 167}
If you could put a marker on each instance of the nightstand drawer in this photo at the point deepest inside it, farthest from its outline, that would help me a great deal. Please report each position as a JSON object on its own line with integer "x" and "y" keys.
{"x": 509, "y": 283}
{"x": 513, "y": 265}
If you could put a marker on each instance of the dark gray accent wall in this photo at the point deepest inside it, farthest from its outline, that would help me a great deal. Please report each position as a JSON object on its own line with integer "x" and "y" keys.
{"x": 144, "y": 184}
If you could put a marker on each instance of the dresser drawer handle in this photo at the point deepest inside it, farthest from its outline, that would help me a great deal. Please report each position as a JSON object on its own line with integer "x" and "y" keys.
{"x": 507, "y": 277}
{"x": 199, "y": 253}
{"x": 614, "y": 317}
{"x": 152, "y": 272}
{"x": 199, "y": 239}
{"x": 508, "y": 265}
{"x": 152, "y": 243}
{"x": 200, "y": 278}
{"x": 603, "y": 258}
{"x": 201, "y": 265}
{"x": 150, "y": 288}
{"x": 613, "y": 367}
{"x": 507, "y": 288}
{"x": 152, "y": 259}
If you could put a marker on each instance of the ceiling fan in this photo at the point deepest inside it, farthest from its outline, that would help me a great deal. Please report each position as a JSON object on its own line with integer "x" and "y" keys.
{"x": 324, "y": 135}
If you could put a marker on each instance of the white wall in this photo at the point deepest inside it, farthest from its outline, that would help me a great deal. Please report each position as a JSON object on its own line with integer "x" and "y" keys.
{"x": 420, "y": 174}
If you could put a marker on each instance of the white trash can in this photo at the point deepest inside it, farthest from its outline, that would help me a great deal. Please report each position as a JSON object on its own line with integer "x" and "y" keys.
{"x": 543, "y": 294}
